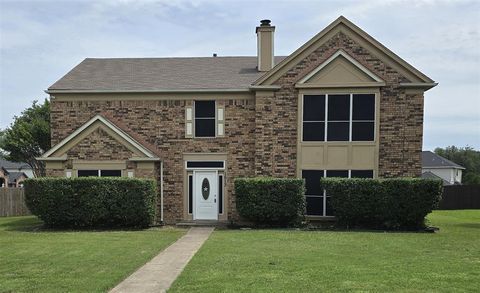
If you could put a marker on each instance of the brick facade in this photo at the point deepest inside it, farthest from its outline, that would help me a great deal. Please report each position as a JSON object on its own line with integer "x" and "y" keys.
{"x": 260, "y": 133}
{"x": 401, "y": 116}
{"x": 161, "y": 123}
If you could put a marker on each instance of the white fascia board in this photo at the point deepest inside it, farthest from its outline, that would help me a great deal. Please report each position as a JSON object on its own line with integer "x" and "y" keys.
{"x": 346, "y": 56}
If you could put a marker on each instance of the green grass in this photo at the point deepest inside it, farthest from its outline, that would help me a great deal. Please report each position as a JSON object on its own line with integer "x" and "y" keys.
{"x": 321, "y": 261}
{"x": 36, "y": 260}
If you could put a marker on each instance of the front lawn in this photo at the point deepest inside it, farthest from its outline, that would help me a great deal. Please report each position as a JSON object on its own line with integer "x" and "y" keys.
{"x": 300, "y": 261}
{"x": 33, "y": 260}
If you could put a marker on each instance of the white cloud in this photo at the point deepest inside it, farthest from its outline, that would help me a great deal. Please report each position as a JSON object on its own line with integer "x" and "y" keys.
{"x": 41, "y": 40}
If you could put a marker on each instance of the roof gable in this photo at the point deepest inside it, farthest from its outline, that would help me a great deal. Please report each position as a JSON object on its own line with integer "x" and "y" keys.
{"x": 343, "y": 25}
{"x": 340, "y": 70}
{"x": 59, "y": 151}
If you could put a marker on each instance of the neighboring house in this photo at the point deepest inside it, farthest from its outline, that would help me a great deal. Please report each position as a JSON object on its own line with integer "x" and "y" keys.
{"x": 341, "y": 105}
{"x": 13, "y": 173}
{"x": 434, "y": 165}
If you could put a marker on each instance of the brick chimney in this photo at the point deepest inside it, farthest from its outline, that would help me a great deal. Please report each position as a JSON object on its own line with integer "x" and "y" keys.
{"x": 265, "y": 57}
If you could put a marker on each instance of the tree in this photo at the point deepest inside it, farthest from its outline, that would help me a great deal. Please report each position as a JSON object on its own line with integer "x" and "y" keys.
{"x": 28, "y": 137}
{"x": 467, "y": 157}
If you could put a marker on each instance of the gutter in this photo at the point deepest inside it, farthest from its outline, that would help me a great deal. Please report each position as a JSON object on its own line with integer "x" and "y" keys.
{"x": 81, "y": 91}
{"x": 419, "y": 85}
{"x": 161, "y": 191}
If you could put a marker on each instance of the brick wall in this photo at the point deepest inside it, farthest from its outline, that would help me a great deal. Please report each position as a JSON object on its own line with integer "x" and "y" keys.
{"x": 401, "y": 116}
{"x": 162, "y": 124}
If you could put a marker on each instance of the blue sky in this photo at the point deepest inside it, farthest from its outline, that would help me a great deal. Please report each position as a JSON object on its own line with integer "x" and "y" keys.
{"x": 42, "y": 40}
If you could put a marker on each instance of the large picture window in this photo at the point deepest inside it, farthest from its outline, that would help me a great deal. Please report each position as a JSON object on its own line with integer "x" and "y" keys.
{"x": 318, "y": 201}
{"x": 204, "y": 118}
{"x": 339, "y": 117}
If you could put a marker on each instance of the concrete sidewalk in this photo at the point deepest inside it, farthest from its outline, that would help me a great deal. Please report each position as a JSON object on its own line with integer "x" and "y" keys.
{"x": 159, "y": 273}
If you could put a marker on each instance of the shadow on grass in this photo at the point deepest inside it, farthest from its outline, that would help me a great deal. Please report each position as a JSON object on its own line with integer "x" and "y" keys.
{"x": 469, "y": 225}
{"x": 33, "y": 224}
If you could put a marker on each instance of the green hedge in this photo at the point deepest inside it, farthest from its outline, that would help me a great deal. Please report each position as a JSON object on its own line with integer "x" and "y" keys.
{"x": 92, "y": 201}
{"x": 271, "y": 201}
{"x": 400, "y": 203}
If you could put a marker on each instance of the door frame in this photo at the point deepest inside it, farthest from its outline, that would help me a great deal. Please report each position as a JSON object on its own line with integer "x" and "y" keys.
{"x": 194, "y": 195}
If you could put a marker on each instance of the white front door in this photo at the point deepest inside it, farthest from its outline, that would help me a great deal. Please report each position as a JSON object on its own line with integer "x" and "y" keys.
{"x": 205, "y": 194}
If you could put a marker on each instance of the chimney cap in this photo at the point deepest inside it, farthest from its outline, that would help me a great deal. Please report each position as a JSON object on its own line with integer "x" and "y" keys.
{"x": 265, "y": 22}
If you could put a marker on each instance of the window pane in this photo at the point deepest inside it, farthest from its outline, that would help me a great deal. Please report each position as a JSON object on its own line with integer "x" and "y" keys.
{"x": 314, "y": 206}
{"x": 220, "y": 194}
{"x": 363, "y": 131}
{"x": 313, "y": 131}
{"x": 205, "y": 127}
{"x": 204, "y": 164}
{"x": 111, "y": 173}
{"x": 362, "y": 174}
{"x": 87, "y": 173}
{"x": 329, "y": 208}
{"x": 338, "y": 131}
{"x": 337, "y": 173}
{"x": 314, "y": 108}
{"x": 338, "y": 107}
{"x": 312, "y": 181}
{"x": 364, "y": 107}
{"x": 190, "y": 194}
{"x": 204, "y": 109}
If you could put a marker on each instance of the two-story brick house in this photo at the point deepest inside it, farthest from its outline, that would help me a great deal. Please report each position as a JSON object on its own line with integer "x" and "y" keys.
{"x": 341, "y": 105}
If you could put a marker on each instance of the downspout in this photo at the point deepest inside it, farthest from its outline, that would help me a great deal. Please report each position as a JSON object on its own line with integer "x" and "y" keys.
{"x": 161, "y": 191}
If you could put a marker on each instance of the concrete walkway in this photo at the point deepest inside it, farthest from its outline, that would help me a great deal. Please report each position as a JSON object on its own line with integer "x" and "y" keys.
{"x": 158, "y": 274}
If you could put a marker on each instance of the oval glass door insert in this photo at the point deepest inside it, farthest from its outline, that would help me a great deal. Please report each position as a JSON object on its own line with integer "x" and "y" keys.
{"x": 205, "y": 188}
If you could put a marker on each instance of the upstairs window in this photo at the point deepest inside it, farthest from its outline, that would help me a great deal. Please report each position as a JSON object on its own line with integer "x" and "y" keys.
{"x": 339, "y": 117}
{"x": 314, "y": 118}
{"x": 204, "y": 118}
{"x": 338, "y": 125}
{"x": 363, "y": 117}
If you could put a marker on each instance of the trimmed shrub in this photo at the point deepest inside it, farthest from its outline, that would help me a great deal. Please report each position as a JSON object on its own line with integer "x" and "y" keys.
{"x": 92, "y": 201}
{"x": 400, "y": 203}
{"x": 271, "y": 201}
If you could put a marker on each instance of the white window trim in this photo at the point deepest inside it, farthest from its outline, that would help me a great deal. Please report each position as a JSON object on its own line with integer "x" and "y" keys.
{"x": 99, "y": 171}
{"x": 206, "y": 169}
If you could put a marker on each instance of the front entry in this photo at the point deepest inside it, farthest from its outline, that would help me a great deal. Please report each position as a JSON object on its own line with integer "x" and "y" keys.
{"x": 205, "y": 195}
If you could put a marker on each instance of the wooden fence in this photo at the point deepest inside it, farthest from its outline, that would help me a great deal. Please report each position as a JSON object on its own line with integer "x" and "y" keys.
{"x": 460, "y": 197}
{"x": 12, "y": 202}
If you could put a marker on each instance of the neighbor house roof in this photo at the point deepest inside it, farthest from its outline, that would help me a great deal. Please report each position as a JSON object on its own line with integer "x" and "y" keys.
{"x": 13, "y": 176}
{"x": 160, "y": 74}
{"x": 430, "y": 175}
{"x": 432, "y": 160}
{"x": 13, "y": 165}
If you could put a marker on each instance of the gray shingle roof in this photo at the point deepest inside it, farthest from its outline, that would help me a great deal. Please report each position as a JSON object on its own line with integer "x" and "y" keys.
{"x": 13, "y": 176}
{"x": 13, "y": 165}
{"x": 430, "y": 175}
{"x": 150, "y": 74}
{"x": 432, "y": 160}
